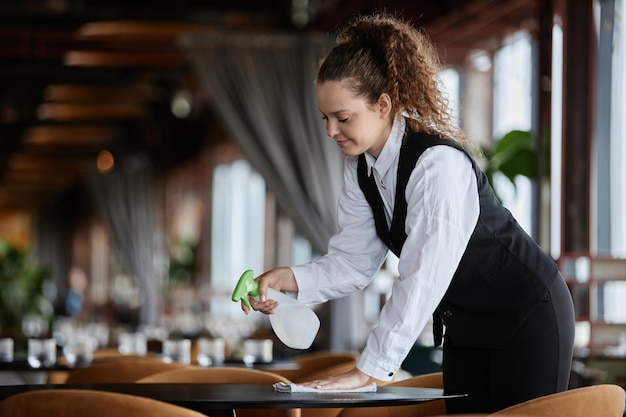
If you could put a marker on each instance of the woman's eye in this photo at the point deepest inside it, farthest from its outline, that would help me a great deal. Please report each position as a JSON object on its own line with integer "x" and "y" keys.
{"x": 343, "y": 120}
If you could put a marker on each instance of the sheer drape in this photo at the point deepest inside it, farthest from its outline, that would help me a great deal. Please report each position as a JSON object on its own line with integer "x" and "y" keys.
{"x": 51, "y": 247}
{"x": 263, "y": 87}
{"x": 126, "y": 200}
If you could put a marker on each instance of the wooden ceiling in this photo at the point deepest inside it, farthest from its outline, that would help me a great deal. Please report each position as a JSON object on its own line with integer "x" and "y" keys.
{"x": 79, "y": 77}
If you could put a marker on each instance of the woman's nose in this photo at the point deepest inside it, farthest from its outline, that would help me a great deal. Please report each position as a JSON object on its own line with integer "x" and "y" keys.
{"x": 331, "y": 129}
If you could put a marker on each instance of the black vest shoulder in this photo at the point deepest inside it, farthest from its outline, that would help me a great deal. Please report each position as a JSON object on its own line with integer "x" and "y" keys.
{"x": 413, "y": 146}
{"x": 503, "y": 273}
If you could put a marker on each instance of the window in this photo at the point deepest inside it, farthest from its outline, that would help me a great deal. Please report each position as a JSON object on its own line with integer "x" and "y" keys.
{"x": 238, "y": 242}
{"x": 556, "y": 138}
{"x": 238, "y": 227}
{"x": 512, "y": 110}
{"x": 618, "y": 135}
{"x": 450, "y": 84}
{"x": 597, "y": 279}
{"x": 609, "y": 150}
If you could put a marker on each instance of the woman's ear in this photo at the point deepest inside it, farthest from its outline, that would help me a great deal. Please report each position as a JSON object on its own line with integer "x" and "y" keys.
{"x": 384, "y": 105}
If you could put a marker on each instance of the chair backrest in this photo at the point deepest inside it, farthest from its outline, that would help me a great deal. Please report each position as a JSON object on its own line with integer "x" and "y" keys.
{"x": 113, "y": 353}
{"x": 57, "y": 377}
{"x": 316, "y": 365}
{"x": 120, "y": 371}
{"x": 324, "y": 372}
{"x": 430, "y": 408}
{"x": 101, "y": 356}
{"x": 81, "y": 403}
{"x": 224, "y": 375}
{"x": 606, "y": 400}
{"x": 227, "y": 375}
{"x": 312, "y": 363}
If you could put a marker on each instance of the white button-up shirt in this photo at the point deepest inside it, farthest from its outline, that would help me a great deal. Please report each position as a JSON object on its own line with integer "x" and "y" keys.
{"x": 442, "y": 212}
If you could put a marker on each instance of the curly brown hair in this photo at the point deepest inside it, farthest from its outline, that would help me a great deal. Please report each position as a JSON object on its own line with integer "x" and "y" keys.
{"x": 379, "y": 54}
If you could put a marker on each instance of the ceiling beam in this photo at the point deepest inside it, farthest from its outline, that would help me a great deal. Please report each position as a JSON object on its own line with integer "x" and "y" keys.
{"x": 91, "y": 112}
{"x": 131, "y": 93}
{"x": 481, "y": 24}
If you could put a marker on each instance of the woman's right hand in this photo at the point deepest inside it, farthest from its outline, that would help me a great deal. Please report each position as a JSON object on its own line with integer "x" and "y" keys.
{"x": 279, "y": 279}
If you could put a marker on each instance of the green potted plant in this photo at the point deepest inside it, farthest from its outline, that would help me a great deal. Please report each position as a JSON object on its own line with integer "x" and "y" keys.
{"x": 516, "y": 154}
{"x": 21, "y": 289}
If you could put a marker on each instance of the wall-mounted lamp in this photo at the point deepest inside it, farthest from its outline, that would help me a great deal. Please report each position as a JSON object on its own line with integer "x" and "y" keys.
{"x": 105, "y": 161}
{"x": 181, "y": 104}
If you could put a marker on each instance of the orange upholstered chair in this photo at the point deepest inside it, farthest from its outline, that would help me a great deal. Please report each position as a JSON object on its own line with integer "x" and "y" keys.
{"x": 101, "y": 356}
{"x": 311, "y": 364}
{"x": 606, "y": 400}
{"x": 120, "y": 371}
{"x": 81, "y": 403}
{"x": 316, "y": 365}
{"x": 323, "y": 372}
{"x": 113, "y": 353}
{"x": 227, "y": 375}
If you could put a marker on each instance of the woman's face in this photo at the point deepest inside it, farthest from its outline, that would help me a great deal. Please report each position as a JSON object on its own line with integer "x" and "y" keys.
{"x": 356, "y": 125}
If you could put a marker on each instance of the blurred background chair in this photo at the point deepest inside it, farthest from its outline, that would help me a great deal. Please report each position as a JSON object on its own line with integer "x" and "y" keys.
{"x": 227, "y": 375}
{"x": 101, "y": 356}
{"x": 113, "y": 353}
{"x": 604, "y": 400}
{"x": 120, "y": 371}
{"x": 323, "y": 372}
{"x": 326, "y": 371}
{"x": 316, "y": 362}
{"x": 81, "y": 403}
{"x": 430, "y": 408}
{"x": 316, "y": 365}
{"x": 57, "y": 377}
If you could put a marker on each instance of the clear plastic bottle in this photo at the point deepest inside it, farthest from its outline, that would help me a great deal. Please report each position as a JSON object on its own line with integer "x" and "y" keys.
{"x": 295, "y": 324}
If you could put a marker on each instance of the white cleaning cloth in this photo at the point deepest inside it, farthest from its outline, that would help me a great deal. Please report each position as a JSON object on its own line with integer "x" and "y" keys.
{"x": 283, "y": 387}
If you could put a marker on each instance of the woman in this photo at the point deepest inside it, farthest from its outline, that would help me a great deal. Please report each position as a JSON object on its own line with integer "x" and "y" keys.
{"x": 411, "y": 186}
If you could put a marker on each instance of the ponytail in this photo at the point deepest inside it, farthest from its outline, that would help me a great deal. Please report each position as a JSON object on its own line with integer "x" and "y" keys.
{"x": 380, "y": 54}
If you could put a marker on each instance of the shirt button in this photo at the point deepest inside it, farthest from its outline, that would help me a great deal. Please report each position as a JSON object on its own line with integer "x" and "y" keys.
{"x": 447, "y": 313}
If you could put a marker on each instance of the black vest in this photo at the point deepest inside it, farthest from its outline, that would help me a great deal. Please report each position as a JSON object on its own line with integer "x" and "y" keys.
{"x": 503, "y": 273}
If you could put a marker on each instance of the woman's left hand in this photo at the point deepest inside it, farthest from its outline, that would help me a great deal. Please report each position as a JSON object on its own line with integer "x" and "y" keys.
{"x": 348, "y": 380}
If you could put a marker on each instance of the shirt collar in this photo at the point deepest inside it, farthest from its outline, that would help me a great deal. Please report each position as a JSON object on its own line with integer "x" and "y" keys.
{"x": 391, "y": 149}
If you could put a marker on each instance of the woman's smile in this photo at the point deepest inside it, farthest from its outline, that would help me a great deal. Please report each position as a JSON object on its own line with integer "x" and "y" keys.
{"x": 342, "y": 142}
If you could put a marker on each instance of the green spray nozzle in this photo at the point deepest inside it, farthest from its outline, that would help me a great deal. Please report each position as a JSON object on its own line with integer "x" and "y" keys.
{"x": 246, "y": 285}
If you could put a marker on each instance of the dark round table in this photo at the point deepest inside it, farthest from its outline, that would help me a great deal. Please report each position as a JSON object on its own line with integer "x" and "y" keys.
{"x": 223, "y": 399}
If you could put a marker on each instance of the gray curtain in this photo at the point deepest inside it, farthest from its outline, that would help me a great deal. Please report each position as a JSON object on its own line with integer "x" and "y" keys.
{"x": 263, "y": 88}
{"x": 51, "y": 248}
{"x": 126, "y": 199}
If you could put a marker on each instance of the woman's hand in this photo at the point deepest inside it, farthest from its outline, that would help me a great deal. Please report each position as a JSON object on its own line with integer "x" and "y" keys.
{"x": 280, "y": 279}
{"x": 348, "y": 380}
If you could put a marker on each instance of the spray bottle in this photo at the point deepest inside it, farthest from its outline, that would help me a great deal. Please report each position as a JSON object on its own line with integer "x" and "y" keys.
{"x": 294, "y": 323}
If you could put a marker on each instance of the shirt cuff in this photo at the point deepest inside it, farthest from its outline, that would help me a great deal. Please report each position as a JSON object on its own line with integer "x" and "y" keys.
{"x": 306, "y": 284}
{"x": 372, "y": 366}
